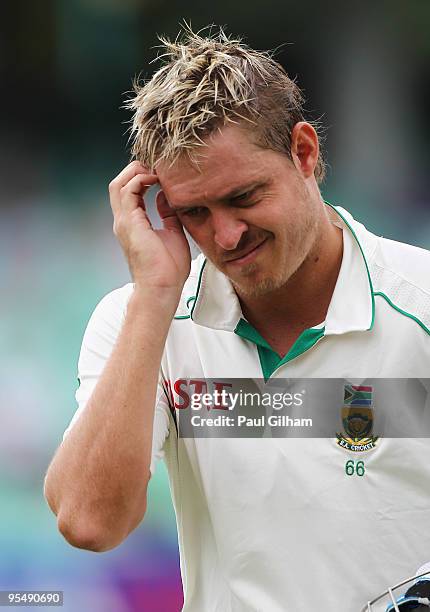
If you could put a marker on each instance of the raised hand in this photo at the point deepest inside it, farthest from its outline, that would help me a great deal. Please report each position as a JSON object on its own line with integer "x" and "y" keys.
{"x": 158, "y": 259}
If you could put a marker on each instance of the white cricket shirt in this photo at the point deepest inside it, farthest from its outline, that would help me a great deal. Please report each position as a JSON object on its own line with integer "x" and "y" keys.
{"x": 277, "y": 524}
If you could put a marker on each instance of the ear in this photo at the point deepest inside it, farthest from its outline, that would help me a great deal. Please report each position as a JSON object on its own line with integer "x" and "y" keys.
{"x": 304, "y": 148}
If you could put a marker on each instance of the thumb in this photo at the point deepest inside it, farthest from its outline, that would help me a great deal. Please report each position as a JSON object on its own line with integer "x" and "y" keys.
{"x": 168, "y": 215}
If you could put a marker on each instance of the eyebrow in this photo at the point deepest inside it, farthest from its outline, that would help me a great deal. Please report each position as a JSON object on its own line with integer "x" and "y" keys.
{"x": 230, "y": 195}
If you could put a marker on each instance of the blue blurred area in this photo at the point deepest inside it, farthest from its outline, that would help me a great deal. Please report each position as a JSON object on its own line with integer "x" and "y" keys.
{"x": 64, "y": 69}
{"x": 58, "y": 269}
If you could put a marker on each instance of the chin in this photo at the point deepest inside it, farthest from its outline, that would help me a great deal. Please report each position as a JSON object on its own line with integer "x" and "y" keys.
{"x": 257, "y": 287}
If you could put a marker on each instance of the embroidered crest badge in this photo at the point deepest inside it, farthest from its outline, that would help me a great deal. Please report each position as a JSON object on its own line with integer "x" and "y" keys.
{"x": 357, "y": 419}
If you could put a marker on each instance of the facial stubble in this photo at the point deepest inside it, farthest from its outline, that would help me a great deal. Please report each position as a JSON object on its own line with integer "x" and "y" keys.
{"x": 298, "y": 244}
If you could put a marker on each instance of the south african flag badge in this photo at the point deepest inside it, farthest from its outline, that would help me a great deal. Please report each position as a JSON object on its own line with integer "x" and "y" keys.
{"x": 357, "y": 419}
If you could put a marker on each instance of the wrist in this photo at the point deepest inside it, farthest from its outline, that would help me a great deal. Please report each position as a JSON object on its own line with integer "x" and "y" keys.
{"x": 162, "y": 301}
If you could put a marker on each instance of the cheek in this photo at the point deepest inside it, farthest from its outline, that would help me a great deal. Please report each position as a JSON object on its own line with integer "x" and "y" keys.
{"x": 271, "y": 220}
{"x": 201, "y": 235}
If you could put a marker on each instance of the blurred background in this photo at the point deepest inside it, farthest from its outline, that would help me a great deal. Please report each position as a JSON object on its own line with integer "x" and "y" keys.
{"x": 65, "y": 66}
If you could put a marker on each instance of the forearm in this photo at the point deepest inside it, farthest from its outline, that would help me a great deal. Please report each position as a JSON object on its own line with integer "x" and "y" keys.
{"x": 97, "y": 481}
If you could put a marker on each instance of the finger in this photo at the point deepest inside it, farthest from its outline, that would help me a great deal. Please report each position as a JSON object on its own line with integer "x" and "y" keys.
{"x": 123, "y": 178}
{"x": 131, "y": 195}
{"x": 167, "y": 214}
{"x": 127, "y": 173}
{"x": 123, "y": 224}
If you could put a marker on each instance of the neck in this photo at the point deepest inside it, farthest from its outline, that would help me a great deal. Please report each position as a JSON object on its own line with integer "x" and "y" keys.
{"x": 304, "y": 300}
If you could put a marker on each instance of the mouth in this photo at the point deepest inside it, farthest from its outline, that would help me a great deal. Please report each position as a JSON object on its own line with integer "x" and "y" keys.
{"x": 249, "y": 255}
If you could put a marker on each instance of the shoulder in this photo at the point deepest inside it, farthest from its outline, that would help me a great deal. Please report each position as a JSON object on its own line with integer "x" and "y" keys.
{"x": 400, "y": 276}
{"x": 404, "y": 261}
{"x": 109, "y": 313}
{"x": 111, "y": 309}
{"x": 115, "y": 302}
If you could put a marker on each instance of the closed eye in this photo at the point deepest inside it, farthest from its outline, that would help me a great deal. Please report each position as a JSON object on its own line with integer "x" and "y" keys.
{"x": 247, "y": 198}
{"x": 193, "y": 212}
{"x": 241, "y": 197}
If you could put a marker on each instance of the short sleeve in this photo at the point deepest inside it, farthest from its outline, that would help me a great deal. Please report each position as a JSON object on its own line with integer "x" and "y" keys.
{"x": 99, "y": 339}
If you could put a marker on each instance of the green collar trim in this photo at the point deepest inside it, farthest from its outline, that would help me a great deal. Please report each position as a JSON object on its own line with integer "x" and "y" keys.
{"x": 304, "y": 342}
{"x": 190, "y": 299}
{"x": 269, "y": 359}
{"x": 244, "y": 329}
{"x": 403, "y": 312}
{"x": 198, "y": 288}
{"x": 364, "y": 258}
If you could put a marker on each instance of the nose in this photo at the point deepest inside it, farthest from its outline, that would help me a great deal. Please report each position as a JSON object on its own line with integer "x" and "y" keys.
{"x": 228, "y": 229}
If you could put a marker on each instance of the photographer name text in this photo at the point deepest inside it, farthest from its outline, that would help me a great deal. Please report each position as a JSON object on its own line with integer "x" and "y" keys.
{"x": 274, "y": 420}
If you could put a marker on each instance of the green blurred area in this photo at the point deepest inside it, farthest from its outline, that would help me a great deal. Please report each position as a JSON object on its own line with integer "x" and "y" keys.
{"x": 66, "y": 66}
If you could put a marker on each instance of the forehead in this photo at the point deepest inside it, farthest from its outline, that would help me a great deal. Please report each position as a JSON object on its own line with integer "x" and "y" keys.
{"x": 228, "y": 160}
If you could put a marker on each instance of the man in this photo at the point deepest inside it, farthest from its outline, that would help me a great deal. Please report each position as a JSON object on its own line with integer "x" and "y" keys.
{"x": 287, "y": 287}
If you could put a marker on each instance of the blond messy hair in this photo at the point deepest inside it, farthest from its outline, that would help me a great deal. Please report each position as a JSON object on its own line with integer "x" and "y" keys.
{"x": 204, "y": 83}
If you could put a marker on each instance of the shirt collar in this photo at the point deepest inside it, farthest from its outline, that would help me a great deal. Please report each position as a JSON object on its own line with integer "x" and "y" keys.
{"x": 352, "y": 304}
